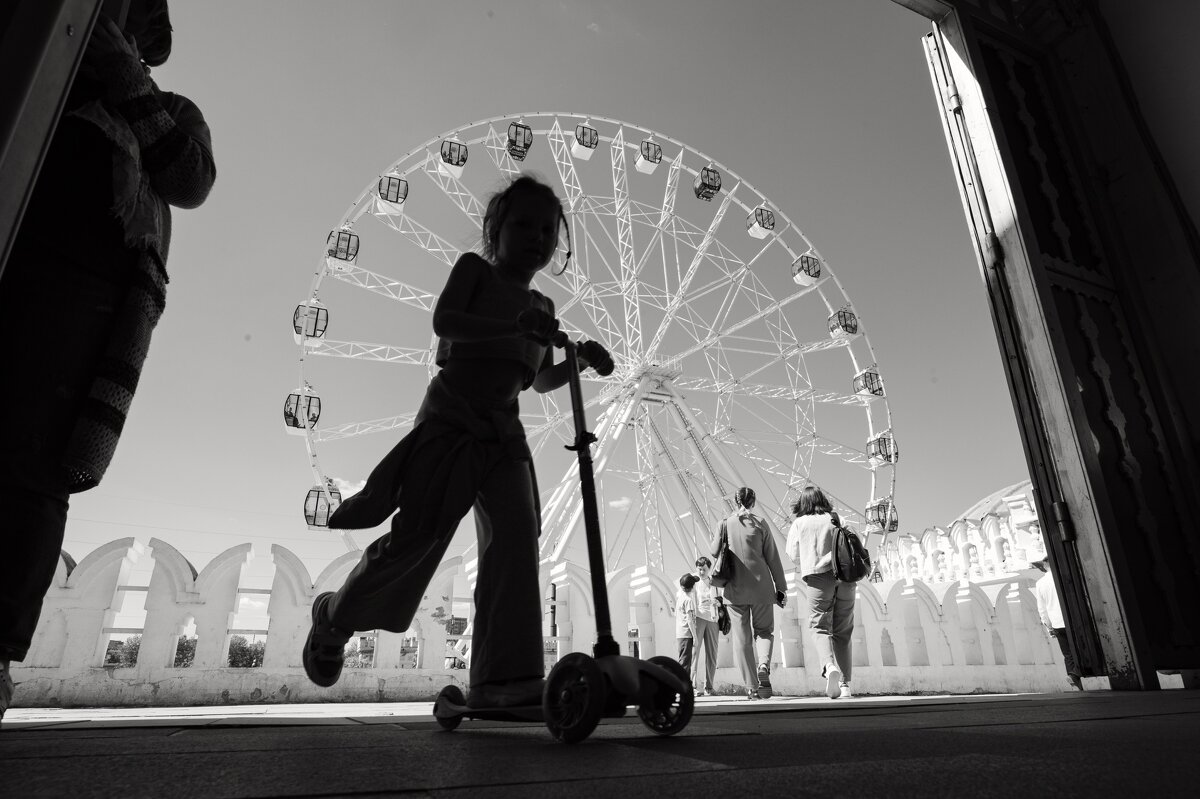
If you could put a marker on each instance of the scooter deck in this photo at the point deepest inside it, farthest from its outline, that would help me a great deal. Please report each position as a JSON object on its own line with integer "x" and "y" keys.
{"x": 445, "y": 709}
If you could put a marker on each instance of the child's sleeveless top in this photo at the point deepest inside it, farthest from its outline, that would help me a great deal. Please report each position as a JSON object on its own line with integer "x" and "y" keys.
{"x": 497, "y": 299}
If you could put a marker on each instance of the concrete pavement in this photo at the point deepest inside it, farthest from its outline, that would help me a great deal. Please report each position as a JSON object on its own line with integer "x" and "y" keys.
{"x": 1093, "y": 744}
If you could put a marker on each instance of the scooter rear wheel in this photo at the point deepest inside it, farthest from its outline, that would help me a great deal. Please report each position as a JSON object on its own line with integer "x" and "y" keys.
{"x": 670, "y": 710}
{"x": 450, "y": 695}
{"x": 574, "y": 698}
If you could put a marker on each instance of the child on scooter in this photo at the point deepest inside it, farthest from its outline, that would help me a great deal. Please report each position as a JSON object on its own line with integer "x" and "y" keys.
{"x": 467, "y": 448}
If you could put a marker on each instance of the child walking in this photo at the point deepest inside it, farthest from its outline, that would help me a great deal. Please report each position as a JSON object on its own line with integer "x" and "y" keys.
{"x": 467, "y": 448}
{"x": 685, "y": 621}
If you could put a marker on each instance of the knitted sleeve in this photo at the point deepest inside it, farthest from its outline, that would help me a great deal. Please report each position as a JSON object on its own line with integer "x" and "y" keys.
{"x": 174, "y": 139}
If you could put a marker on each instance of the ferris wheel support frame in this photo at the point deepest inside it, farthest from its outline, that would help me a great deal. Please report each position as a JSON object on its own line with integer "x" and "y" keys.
{"x": 607, "y": 432}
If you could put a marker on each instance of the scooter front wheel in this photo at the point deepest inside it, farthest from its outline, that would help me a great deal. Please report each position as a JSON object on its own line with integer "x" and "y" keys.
{"x": 670, "y": 710}
{"x": 445, "y": 707}
{"x": 574, "y": 698}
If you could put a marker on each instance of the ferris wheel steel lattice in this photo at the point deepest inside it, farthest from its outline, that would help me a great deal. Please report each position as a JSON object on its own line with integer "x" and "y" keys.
{"x": 732, "y": 337}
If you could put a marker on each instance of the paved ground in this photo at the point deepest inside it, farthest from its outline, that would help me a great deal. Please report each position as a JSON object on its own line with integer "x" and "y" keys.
{"x": 1094, "y": 744}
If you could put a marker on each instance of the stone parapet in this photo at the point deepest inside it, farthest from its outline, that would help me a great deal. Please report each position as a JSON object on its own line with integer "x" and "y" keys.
{"x": 910, "y": 636}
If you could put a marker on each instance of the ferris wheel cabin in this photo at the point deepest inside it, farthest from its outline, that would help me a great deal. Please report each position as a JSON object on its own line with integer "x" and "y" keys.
{"x": 760, "y": 222}
{"x": 318, "y": 508}
{"x": 806, "y": 270}
{"x": 843, "y": 323}
{"x": 881, "y": 513}
{"x": 868, "y": 383}
{"x": 520, "y": 139}
{"x": 587, "y": 139}
{"x": 392, "y": 191}
{"x": 300, "y": 404}
{"x": 310, "y": 320}
{"x": 882, "y": 449}
{"x": 341, "y": 249}
{"x": 649, "y": 158}
{"x": 707, "y": 183}
{"x": 454, "y": 157}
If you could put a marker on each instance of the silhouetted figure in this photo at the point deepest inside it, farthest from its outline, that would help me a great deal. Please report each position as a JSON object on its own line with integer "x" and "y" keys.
{"x": 1051, "y": 614}
{"x": 758, "y": 585}
{"x": 830, "y": 601}
{"x": 83, "y": 288}
{"x": 467, "y": 448}
{"x": 707, "y": 598}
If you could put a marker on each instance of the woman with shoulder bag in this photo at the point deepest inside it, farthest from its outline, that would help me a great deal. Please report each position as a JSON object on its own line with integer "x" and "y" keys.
{"x": 830, "y": 602}
{"x": 758, "y": 584}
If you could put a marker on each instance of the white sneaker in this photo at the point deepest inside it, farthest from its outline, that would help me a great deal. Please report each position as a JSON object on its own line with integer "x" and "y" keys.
{"x": 845, "y": 692}
{"x": 833, "y": 676}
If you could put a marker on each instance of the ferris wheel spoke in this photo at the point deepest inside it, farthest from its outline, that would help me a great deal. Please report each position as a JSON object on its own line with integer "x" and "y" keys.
{"x": 584, "y": 292}
{"x": 363, "y": 428}
{"x": 760, "y": 314}
{"x": 453, "y": 188}
{"x": 422, "y": 236}
{"x": 685, "y": 283}
{"x": 763, "y": 390}
{"x": 392, "y": 289}
{"x": 670, "y": 191}
{"x": 843, "y": 452}
{"x": 628, "y": 281}
{"x": 766, "y": 465}
{"x": 701, "y": 512}
{"x": 647, "y": 460}
{"x": 363, "y": 351}
{"x": 566, "y": 165}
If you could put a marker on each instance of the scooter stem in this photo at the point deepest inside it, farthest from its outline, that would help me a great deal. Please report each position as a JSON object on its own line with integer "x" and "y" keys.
{"x": 605, "y": 644}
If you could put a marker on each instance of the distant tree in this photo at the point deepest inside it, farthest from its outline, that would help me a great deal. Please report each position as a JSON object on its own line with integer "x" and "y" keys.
{"x": 245, "y": 655}
{"x": 185, "y": 652}
{"x": 357, "y": 657}
{"x": 123, "y": 654}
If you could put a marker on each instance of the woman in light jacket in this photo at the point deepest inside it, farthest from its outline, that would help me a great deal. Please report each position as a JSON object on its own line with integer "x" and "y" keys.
{"x": 830, "y": 602}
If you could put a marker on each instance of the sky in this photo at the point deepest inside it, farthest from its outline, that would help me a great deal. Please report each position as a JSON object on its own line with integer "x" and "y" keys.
{"x": 824, "y": 106}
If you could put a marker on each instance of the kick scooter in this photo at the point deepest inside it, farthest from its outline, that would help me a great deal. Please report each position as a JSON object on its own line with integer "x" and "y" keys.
{"x": 582, "y": 689}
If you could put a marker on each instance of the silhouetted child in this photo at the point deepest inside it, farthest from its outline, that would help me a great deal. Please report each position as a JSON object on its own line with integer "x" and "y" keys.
{"x": 685, "y": 620}
{"x": 467, "y": 448}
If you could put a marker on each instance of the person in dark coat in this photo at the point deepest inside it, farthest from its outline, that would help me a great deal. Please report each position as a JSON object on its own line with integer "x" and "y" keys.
{"x": 83, "y": 288}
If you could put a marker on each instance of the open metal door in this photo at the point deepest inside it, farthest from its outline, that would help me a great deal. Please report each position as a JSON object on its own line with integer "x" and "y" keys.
{"x": 946, "y": 70}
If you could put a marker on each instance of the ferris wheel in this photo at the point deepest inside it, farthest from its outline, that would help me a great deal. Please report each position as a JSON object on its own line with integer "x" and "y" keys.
{"x": 740, "y": 360}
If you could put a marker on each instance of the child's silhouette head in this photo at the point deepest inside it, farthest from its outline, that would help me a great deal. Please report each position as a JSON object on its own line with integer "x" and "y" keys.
{"x": 687, "y": 581}
{"x": 522, "y": 223}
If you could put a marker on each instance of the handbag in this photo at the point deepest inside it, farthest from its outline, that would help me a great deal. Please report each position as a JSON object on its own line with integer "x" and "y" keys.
{"x": 724, "y": 625}
{"x": 722, "y": 568}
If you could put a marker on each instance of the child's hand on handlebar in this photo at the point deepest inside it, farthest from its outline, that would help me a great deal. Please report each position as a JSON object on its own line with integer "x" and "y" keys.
{"x": 593, "y": 354}
{"x": 536, "y": 324}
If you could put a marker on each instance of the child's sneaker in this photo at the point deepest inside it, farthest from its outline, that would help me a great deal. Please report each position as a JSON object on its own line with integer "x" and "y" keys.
{"x": 514, "y": 693}
{"x": 324, "y": 650}
{"x": 844, "y": 691}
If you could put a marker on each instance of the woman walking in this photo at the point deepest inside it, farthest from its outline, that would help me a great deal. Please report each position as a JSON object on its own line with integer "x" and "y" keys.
{"x": 758, "y": 585}
{"x": 830, "y": 602}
